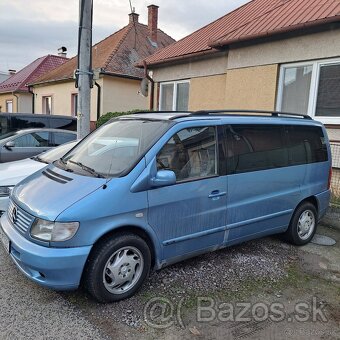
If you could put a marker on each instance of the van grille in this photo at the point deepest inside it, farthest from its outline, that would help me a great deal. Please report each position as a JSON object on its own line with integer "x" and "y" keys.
{"x": 19, "y": 218}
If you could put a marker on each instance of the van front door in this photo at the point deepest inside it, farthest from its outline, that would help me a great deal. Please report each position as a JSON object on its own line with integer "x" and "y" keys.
{"x": 189, "y": 216}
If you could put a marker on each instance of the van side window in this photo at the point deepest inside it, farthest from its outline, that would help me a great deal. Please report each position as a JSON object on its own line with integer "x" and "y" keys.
{"x": 255, "y": 147}
{"x": 306, "y": 145}
{"x": 190, "y": 153}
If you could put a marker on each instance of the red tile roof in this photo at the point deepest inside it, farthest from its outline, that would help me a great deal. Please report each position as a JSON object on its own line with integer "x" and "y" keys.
{"x": 116, "y": 54}
{"x": 258, "y": 18}
{"x": 18, "y": 82}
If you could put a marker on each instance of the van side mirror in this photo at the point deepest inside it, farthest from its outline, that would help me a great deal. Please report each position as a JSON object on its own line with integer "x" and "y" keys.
{"x": 9, "y": 145}
{"x": 163, "y": 178}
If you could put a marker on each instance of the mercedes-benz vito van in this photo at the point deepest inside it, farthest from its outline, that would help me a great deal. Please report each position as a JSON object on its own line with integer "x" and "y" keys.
{"x": 147, "y": 190}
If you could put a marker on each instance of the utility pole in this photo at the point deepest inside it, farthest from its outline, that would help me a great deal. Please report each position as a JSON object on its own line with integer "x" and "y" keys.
{"x": 84, "y": 73}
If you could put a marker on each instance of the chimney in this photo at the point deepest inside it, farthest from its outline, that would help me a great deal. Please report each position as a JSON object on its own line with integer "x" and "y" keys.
{"x": 62, "y": 51}
{"x": 12, "y": 72}
{"x": 133, "y": 17}
{"x": 153, "y": 21}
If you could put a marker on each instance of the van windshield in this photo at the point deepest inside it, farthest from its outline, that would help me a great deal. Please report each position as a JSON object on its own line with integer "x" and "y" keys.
{"x": 114, "y": 148}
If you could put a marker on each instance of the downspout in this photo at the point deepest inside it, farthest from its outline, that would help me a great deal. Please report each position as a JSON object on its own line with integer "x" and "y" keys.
{"x": 17, "y": 101}
{"x": 152, "y": 92}
{"x": 98, "y": 99}
{"x": 33, "y": 98}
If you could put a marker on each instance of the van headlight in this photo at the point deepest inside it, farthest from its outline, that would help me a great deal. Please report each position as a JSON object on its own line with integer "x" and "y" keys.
{"x": 6, "y": 191}
{"x": 53, "y": 231}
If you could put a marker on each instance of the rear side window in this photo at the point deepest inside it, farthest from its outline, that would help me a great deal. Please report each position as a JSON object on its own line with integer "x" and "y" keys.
{"x": 190, "y": 153}
{"x": 63, "y": 123}
{"x": 255, "y": 147}
{"x": 3, "y": 125}
{"x": 306, "y": 145}
{"x": 27, "y": 122}
{"x": 59, "y": 138}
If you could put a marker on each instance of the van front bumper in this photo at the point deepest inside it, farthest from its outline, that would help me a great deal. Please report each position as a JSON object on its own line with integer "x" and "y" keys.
{"x": 55, "y": 268}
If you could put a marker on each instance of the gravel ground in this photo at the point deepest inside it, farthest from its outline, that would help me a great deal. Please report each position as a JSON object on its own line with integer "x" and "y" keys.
{"x": 204, "y": 275}
{"x": 31, "y": 312}
{"x": 28, "y": 311}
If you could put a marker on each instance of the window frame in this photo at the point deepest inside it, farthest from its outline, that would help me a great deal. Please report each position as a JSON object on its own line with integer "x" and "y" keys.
{"x": 314, "y": 87}
{"x": 74, "y": 104}
{"x": 44, "y": 97}
{"x": 9, "y": 101}
{"x": 174, "y": 97}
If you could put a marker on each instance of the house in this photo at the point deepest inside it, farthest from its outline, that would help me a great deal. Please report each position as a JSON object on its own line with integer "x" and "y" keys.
{"x": 15, "y": 95}
{"x": 270, "y": 55}
{"x": 117, "y": 81}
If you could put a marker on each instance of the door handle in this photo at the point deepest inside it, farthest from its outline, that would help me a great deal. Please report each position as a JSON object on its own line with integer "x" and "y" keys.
{"x": 216, "y": 194}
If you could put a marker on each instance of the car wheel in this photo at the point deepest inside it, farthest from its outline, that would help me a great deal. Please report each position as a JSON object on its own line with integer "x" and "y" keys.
{"x": 117, "y": 267}
{"x": 303, "y": 224}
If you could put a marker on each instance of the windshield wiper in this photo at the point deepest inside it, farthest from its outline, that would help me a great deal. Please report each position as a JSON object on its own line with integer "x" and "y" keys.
{"x": 88, "y": 169}
{"x": 38, "y": 159}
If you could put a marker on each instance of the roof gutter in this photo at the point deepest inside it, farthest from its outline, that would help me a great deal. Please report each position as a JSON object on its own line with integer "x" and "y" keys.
{"x": 224, "y": 42}
{"x": 179, "y": 58}
{"x": 17, "y": 101}
{"x": 33, "y": 98}
{"x": 152, "y": 94}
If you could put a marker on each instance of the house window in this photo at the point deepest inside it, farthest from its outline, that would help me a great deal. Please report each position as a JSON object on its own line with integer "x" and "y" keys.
{"x": 9, "y": 106}
{"x": 74, "y": 104}
{"x": 47, "y": 105}
{"x": 311, "y": 88}
{"x": 174, "y": 96}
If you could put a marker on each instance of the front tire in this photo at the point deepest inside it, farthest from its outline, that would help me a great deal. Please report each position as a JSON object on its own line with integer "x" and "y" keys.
{"x": 117, "y": 267}
{"x": 303, "y": 224}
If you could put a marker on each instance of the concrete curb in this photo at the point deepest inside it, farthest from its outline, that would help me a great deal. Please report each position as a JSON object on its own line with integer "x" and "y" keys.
{"x": 332, "y": 217}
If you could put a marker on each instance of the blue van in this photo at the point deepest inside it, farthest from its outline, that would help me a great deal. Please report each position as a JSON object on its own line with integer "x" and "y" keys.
{"x": 151, "y": 189}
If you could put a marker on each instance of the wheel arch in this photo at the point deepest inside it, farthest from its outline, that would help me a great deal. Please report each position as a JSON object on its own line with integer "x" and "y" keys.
{"x": 136, "y": 230}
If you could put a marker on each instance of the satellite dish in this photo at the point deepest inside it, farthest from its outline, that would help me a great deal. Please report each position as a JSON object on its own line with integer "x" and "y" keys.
{"x": 144, "y": 87}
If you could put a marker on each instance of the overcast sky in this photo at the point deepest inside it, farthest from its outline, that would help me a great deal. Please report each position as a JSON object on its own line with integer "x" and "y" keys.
{"x": 32, "y": 29}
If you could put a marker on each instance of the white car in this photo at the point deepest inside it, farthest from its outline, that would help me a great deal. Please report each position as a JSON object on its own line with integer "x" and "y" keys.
{"x": 12, "y": 173}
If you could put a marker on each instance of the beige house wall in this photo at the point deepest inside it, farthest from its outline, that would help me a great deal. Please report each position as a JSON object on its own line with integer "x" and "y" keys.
{"x": 117, "y": 94}
{"x": 62, "y": 97}
{"x": 217, "y": 64}
{"x": 308, "y": 47}
{"x": 207, "y": 93}
{"x": 121, "y": 94}
{"x": 25, "y": 102}
{"x": 7, "y": 96}
{"x": 252, "y": 88}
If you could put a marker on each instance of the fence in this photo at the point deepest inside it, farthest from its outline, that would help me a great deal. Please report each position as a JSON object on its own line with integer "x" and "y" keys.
{"x": 335, "y": 184}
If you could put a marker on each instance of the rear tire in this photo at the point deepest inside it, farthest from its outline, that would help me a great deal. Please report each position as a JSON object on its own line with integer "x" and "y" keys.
{"x": 303, "y": 224}
{"x": 117, "y": 267}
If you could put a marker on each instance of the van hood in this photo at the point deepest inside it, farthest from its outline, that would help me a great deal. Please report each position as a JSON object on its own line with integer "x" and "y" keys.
{"x": 12, "y": 173}
{"x": 48, "y": 192}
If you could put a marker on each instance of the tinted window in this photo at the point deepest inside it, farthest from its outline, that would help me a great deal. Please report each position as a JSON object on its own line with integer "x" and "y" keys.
{"x": 35, "y": 139}
{"x": 63, "y": 123}
{"x": 62, "y": 138}
{"x": 255, "y": 147}
{"x": 190, "y": 153}
{"x": 306, "y": 145}
{"x": 3, "y": 125}
{"x": 26, "y": 122}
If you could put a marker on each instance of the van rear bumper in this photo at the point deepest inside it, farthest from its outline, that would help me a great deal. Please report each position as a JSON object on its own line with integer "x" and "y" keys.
{"x": 59, "y": 269}
{"x": 323, "y": 203}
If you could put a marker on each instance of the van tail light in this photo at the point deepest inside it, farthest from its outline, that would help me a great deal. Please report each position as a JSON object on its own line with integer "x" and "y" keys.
{"x": 329, "y": 177}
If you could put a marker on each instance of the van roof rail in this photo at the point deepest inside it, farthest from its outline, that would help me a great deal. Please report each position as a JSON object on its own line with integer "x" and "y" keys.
{"x": 249, "y": 112}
